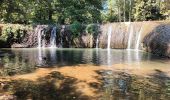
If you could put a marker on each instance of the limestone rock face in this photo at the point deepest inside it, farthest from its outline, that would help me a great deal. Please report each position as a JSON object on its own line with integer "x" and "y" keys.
{"x": 18, "y": 46}
{"x": 158, "y": 41}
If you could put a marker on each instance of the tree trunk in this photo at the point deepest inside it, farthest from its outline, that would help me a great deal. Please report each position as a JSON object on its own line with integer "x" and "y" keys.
{"x": 50, "y": 13}
{"x": 124, "y": 13}
{"x": 130, "y": 10}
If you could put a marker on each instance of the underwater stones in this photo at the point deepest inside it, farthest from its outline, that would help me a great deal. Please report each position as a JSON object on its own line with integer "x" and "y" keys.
{"x": 158, "y": 41}
{"x": 56, "y": 74}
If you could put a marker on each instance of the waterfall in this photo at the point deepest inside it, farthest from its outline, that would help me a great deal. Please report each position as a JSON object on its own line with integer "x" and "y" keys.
{"x": 135, "y": 31}
{"x": 39, "y": 37}
{"x": 43, "y": 38}
{"x": 130, "y": 36}
{"x": 53, "y": 38}
{"x": 109, "y": 57}
{"x": 138, "y": 38}
{"x": 109, "y": 36}
{"x": 97, "y": 42}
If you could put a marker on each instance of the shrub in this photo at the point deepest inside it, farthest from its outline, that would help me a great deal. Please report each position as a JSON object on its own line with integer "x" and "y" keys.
{"x": 76, "y": 28}
{"x": 92, "y": 29}
{"x": 13, "y": 31}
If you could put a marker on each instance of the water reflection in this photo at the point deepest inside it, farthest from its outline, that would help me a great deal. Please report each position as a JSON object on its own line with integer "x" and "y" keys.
{"x": 55, "y": 57}
{"x": 84, "y": 74}
{"x": 16, "y": 65}
{"x": 109, "y": 57}
{"x": 42, "y": 57}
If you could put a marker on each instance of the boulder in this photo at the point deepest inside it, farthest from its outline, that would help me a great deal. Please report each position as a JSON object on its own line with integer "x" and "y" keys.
{"x": 158, "y": 40}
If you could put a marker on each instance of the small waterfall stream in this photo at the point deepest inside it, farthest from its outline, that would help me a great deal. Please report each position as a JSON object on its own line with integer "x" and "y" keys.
{"x": 134, "y": 38}
{"x": 39, "y": 37}
{"x": 130, "y": 36}
{"x": 118, "y": 35}
{"x": 139, "y": 38}
{"x": 97, "y": 43}
{"x": 109, "y": 36}
{"x": 53, "y": 38}
{"x": 43, "y": 38}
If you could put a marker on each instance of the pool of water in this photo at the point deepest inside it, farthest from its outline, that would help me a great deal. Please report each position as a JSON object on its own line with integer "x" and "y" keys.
{"x": 83, "y": 74}
{"x": 61, "y": 57}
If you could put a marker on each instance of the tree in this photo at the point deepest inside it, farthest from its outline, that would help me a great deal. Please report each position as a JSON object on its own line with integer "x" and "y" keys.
{"x": 42, "y": 11}
{"x": 83, "y": 11}
{"x": 145, "y": 10}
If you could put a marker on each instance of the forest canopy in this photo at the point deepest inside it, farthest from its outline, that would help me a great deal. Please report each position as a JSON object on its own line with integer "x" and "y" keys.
{"x": 83, "y": 11}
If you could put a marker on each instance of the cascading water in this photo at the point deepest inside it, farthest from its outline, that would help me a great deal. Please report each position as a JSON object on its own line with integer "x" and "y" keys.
{"x": 130, "y": 36}
{"x": 43, "y": 38}
{"x": 108, "y": 46}
{"x": 134, "y": 36}
{"x": 138, "y": 39}
{"x": 39, "y": 37}
{"x": 109, "y": 36}
{"x": 53, "y": 38}
{"x": 97, "y": 42}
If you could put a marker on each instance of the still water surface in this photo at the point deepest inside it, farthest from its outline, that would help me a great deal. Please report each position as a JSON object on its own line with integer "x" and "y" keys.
{"x": 60, "y": 57}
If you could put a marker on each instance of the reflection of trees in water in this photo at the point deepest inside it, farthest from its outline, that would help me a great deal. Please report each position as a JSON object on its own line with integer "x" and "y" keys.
{"x": 15, "y": 65}
{"x": 61, "y": 57}
{"x": 25, "y": 60}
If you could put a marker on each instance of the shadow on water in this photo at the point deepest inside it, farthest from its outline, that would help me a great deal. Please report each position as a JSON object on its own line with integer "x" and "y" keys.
{"x": 110, "y": 85}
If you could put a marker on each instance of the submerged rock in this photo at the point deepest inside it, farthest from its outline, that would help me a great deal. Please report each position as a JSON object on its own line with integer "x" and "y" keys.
{"x": 158, "y": 41}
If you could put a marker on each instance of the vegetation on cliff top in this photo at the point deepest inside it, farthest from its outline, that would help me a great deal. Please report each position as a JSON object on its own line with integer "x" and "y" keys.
{"x": 83, "y": 11}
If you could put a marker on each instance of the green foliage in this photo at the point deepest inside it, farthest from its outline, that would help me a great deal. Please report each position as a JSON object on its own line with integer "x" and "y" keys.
{"x": 76, "y": 28}
{"x": 84, "y": 11}
{"x": 14, "y": 33}
{"x": 50, "y": 11}
{"x": 92, "y": 29}
{"x": 147, "y": 10}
